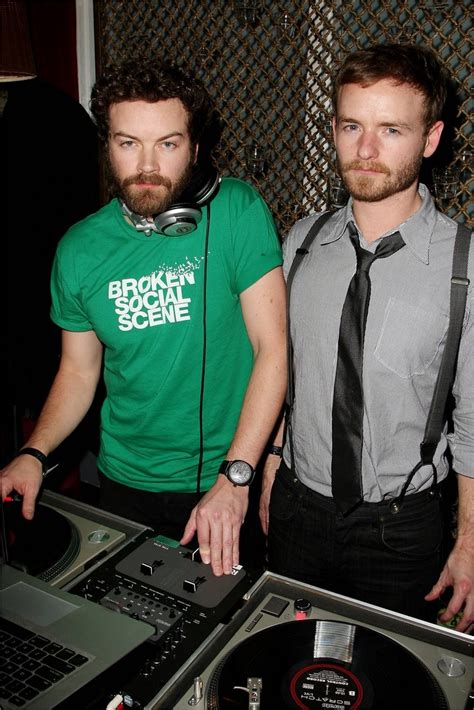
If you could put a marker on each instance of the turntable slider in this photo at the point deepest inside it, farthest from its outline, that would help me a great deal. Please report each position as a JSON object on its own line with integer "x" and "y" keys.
{"x": 190, "y": 586}
{"x": 148, "y": 568}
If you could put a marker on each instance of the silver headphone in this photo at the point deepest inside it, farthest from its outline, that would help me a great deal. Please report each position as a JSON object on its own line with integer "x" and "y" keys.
{"x": 184, "y": 216}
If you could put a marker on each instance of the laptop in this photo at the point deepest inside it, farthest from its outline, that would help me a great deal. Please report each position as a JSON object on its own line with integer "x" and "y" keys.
{"x": 52, "y": 643}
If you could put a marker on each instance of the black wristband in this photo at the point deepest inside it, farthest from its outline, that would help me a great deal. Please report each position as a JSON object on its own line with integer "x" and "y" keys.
{"x": 275, "y": 450}
{"x": 42, "y": 458}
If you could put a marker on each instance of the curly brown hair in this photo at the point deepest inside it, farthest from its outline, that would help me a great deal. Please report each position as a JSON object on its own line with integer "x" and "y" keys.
{"x": 405, "y": 64}
{"x": 138, "y": 79}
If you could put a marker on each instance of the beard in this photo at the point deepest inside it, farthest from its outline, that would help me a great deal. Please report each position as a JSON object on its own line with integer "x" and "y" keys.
{"x": 369, "y": 188}
{"x": 149, "y": 202}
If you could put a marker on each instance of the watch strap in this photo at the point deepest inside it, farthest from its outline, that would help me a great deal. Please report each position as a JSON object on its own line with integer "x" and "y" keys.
{"x": 223, "y": 466}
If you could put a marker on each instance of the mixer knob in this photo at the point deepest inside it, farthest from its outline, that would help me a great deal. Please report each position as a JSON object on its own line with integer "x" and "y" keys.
{"x": 302, "y": 608}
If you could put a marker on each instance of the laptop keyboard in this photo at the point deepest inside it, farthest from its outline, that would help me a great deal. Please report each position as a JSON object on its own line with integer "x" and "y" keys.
{"x": 30, "y": 664}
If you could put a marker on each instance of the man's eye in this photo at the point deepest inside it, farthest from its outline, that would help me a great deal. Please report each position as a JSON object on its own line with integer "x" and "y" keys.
{"x": 126, "y": 144}
{"x": 168, "y": 145}
{"x": 393, "y": 131}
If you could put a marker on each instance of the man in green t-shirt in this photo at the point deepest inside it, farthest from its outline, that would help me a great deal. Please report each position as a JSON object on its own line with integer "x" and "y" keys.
{"x": 183, "y": 306}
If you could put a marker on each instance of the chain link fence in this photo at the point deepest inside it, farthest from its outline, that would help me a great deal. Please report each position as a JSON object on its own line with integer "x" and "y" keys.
{"x": 268, "y": 64}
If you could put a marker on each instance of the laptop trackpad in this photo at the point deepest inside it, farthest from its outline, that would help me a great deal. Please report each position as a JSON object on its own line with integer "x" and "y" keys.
{"x": 35, "y": 605}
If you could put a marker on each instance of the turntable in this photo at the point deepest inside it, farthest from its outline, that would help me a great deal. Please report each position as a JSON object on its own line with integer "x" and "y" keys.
{"x": 64, "y": 538}
{"x": 297, "y": 646}
{"x": 279, "y": 644}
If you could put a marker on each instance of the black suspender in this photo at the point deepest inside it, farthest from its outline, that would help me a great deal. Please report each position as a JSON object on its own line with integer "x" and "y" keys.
{"x": 445, "y": 379}
{"x": 290, "y": 395}
{"x": 299, "y": 254}
{"x": 436, "y": 416}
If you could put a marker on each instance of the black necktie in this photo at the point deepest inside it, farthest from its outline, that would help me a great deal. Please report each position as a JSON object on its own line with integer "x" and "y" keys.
{"x": 348, "y": 402}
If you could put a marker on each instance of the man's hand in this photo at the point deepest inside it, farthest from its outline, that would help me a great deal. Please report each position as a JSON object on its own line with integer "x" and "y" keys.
{"x": 24, "y": 476}
{"x": 217, "y": 520}
{"x": 457, "y": 573}
{"x": 269, "y": 471}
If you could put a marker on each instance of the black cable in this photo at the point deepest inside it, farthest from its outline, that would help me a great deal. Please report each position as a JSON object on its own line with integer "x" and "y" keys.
{"x": 204, "y": 353}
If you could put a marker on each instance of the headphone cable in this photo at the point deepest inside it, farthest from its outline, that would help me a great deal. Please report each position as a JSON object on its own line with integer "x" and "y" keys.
{"x": 204, "y": 353}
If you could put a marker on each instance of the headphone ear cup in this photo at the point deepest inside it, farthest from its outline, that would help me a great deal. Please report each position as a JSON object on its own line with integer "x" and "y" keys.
{"x": 203, "y": 186}
{"x": 178, "y": 220}
{"x": 184, "y": 216}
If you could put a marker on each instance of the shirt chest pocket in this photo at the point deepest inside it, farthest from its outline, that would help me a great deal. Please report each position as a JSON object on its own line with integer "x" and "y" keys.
{"x": 410, "y": 338}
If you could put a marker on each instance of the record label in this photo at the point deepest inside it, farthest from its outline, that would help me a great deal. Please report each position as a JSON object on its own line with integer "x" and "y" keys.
{"x": 325, "y": 685}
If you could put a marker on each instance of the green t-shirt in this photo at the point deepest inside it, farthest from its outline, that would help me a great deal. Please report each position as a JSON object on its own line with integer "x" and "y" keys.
{"x": 144, "y": 298}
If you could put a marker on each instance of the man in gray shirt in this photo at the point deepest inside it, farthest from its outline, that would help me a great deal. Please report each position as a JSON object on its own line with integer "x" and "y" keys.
{"x": 388, "y": 102}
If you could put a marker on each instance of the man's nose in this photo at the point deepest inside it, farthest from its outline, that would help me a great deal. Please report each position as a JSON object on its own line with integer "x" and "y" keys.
{"x": 367, "y": 147}
{"x": 148, "y": 161}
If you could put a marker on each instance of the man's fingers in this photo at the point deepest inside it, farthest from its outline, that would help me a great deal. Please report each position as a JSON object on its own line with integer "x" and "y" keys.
{"x": 454, "y": 608}
{"x": 219, "y": 517}
{"x": 235, "y": 546}
{"x": 436, "y": 591}
{"x": 190, "y": 529}
{"x": 28, "y": 506}
{"x": 228, "y": 543}
{"x": 203, "y": 536}
{"x": 25, "y": 482}
{"x": 6, "y": 487}
{"x": 465, "y": 623}
{"x": 217, "y": 547}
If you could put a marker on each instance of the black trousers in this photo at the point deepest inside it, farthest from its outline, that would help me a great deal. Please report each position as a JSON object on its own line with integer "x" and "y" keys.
{"x": 373, "y": 555}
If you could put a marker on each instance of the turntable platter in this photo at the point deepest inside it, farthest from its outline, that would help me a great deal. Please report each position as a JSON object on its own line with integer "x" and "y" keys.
{"x": 318, "y": 665}
{"x": 44, "y": 546}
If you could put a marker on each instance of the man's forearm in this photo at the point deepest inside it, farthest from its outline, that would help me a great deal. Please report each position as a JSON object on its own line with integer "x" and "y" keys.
{"x": 219, "y": 515}
{"x": 68, "y": 402}
{"x": 465, "y": 531}
{"x": 279, "y": 430}
{"x": 69, "y": 399}
{"x": 261, "y": 408}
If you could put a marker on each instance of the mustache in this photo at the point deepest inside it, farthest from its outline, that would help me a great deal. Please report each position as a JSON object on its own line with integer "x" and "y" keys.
{"x": 366, "y": 165}
{"x": 141, "y": 179}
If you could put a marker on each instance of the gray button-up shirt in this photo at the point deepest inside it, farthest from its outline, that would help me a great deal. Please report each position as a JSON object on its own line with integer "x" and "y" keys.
{"x": 404, "y": 341}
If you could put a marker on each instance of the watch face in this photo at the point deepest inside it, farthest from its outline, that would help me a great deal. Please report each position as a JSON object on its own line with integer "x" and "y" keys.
{"x": 240, "y": 473}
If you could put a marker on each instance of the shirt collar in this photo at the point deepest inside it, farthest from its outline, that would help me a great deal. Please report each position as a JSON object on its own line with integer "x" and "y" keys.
{"x": 416, "y": 231}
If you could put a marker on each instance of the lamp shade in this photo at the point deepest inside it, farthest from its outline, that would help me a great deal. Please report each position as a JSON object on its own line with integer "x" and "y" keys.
{"x": 16, "y": 54}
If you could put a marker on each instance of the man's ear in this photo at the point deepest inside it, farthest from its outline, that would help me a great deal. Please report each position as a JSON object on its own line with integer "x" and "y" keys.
{"x": 196, "y": 151}
{"x": 433, "y": 138}
{"x": 334, "y": 126}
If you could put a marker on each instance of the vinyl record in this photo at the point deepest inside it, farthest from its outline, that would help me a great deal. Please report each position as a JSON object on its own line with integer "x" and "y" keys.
{"x": 45, "y": 546}
{"x": 323, "y": 665}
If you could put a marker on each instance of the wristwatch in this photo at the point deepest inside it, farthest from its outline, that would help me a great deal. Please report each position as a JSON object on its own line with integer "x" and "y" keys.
{"x": 240, "y": 473}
